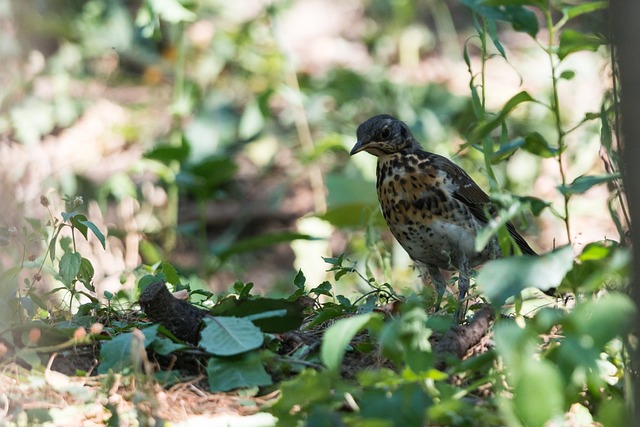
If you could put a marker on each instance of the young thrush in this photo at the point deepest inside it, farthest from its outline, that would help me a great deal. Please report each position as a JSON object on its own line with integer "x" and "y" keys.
{"x": 431, "y": 205}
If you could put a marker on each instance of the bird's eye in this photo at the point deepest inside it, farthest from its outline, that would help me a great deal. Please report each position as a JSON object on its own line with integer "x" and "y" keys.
{"x": 385, "y": 133}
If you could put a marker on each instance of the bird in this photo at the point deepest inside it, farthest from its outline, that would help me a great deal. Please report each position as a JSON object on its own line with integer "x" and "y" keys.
{"x": 433, "y": 208}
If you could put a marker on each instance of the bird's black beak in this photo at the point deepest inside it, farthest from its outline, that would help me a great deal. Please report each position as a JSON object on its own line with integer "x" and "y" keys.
{"x": 358, "y": 147}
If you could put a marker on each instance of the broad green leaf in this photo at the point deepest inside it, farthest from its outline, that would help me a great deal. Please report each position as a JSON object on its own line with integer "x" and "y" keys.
{"x": 169, "y": 153}
{"x": 536, "y": 144}
{"x": 600, "y": 265}
{"x": 164, "y": 346}
{"x": 573, "y": 41}
{"x": 605, "y": 318}
{"x": 75, "y": 221}
{"x": 503, "y": 278}
{"x": 170, "y": 273}
{"x": 308, "y": 389}
{"x": 583, "y": 183}
{"x": 337, "y": 338}
{"x": 506, "y": 150}
{"x": 96, "y": 231}
{"x": 485, "y": 128}
{"x": 522, "y": 19}
{"x": 269, "y": 314}
{"x": 116, "y": 354}
{"x": 405, "y": 341}
{"x": 69, "y": 267}
{"x": 67, "y": 216}
{"x": 228, "y": 336}
{"x": 541, "y": 379}
{"x": 204, "y": 177}
{"x": 29, "y": 356}
{"x": 537, "y": 205}
{"x": 299, "y": 281}
{"x": 262, "y": 241}
{"x": 512, "y": 11}
{"x": 614, "y": 412}
{"x": 403, "y": 406}
{"x": 85, "y": 273}
{"x": 227, "y": 374}
{"x": 571, "y": 12}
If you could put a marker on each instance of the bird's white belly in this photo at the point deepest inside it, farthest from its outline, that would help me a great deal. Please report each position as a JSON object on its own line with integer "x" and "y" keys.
{"x": 440, "y": 243}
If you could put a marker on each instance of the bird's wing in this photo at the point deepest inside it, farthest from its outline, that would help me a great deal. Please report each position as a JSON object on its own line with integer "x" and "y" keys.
{"x": 478, "y": 202}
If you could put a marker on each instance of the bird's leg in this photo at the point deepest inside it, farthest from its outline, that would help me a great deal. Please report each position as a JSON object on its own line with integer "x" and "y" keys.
{"x": 463, "y": 287}
{"x": 439, "y": 283}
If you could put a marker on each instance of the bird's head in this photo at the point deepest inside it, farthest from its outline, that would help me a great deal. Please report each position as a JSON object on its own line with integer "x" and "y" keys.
{"x": 382, "y": 135}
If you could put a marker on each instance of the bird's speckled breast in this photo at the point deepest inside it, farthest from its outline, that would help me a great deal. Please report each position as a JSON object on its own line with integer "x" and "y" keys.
{"x": 428, "y": 222}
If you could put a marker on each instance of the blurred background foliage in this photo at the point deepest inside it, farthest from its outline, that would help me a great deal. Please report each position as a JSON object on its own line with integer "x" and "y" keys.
{"x": 215, "y": 135}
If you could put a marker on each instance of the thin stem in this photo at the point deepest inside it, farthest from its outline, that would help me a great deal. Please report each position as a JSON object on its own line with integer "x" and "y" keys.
{"x": 300, "y": 117}
{"x": 176, "y": 139}
{"x": 555, "y": 109}
{"x": 487, "y": 143}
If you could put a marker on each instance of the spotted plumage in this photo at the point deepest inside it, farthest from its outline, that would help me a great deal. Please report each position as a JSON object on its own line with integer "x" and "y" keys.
{"x": 432, "y": 206}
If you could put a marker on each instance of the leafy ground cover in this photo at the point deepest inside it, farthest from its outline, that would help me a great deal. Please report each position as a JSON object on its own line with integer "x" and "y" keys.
{"x": 225, "y": 258}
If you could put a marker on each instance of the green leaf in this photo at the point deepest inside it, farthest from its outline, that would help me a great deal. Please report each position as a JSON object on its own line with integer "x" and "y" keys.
{"x": 228, "y": 336}
{"x": 171, "y": 11}
{"x": 309, "y": 389}
{"x": 170, "y": 153}
{"x": 116, "y": 354}
{"x": 522, "y": 19}
{"x": 503, "y": 278}
{"x": 69, "y": 267}
{"x": 299, "y": 281}
{"x": 506, "y": 150}
{"x": 75, "y": 222}
{"x": 269, "y": 314}
{"x": 538, "y": 378}
{"x": 403, "y": 406}
{"x": 571, "y": 12}
{"x": 604, "y": 319}
{"x": 573, "y": 41}
{"x": 536, "y": 144}
{"x": 493, "y": 34}
{"x": 601, "y": 264}
{"x": 537, "y": 205}
{"x": 583, "y": 183}
{"x": 85, "y": 273}
{"x": 337, "y": 338}
{"x": 262, "y": 241}
{"x": 512, "y": 11}
{"x": 405, "y": 340}
{"x": 204, "y": 177}
{"x": 353, "y": 215}
{"x": 498, "y": 224}
{"x": 164, "y": 346}
{"x": 53, "y": 241}
{"x": 170, "y": 273}
{"x": 568, "y": 74}
{"x": 485, "y": 128}
{"x": 96, "y": 231}
{"x": 227, "y": 374}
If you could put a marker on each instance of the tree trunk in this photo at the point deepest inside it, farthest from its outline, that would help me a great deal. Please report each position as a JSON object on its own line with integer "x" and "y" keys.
{"x": 625, "y": 15}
